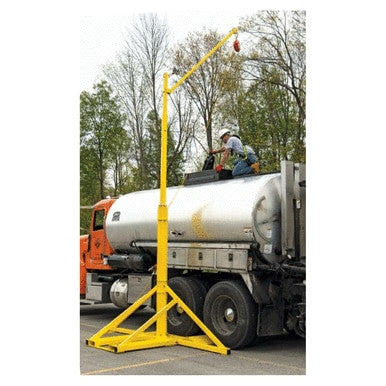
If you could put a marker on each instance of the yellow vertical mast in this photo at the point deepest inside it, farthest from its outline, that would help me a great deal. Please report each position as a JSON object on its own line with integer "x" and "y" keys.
{"x": 162, "y": 229}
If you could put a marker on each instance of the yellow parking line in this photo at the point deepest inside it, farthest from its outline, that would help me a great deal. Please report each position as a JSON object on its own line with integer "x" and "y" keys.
{"x": 140, "y": 364}
{"x": 271, "y": 363}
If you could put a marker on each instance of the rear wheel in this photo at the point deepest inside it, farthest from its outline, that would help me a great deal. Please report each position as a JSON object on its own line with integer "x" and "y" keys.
{"x": 192, "y": 293}
{"x": 231, "y": 314}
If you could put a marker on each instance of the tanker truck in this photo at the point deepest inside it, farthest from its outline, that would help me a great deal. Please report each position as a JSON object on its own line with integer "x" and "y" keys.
{"x": 236, "y": 253}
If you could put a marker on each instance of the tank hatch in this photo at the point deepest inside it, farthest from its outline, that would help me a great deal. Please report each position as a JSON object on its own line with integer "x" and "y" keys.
{"x": 207, "y": 176}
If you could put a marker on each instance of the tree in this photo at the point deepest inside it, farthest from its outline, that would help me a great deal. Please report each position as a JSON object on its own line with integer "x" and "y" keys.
{"x": 101, "y": 128}
{"x": 268, "y": 123}
{"x": 183, "y": 126}
{"x": 137, "y": 80}
{"x": 174, "y": 157}
{"x": 205, "y": 86}
{"x": 125, "y": 77}
{"x": 120, "y": 162}
{"x": 147, "y": 43}
{"x": 89, "y": 186}
{"x": 278, "y": 59}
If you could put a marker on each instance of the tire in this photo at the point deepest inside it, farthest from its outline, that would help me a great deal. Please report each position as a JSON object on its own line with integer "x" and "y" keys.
{"x": 191, "y": 291}
{"x": 231, "y": 314}
{"x": 204, "y": 285}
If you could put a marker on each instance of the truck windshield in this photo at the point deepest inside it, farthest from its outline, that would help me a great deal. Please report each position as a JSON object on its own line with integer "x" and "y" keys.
{"x": 99, "y": 216}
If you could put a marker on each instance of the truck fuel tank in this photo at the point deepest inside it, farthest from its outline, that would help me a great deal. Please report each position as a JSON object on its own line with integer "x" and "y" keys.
{"x": 135, "y": 262}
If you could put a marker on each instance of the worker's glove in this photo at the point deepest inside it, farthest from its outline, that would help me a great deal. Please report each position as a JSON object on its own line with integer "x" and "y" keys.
{"x": 218, "y": 168}
{"x": 212, "y": 151}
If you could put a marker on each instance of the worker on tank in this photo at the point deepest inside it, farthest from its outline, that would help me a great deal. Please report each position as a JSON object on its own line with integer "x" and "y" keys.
{"x": 246, "y": 160}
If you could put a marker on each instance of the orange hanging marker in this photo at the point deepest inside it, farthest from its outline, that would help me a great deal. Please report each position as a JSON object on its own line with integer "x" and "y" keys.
{"x": 236, "y": 45}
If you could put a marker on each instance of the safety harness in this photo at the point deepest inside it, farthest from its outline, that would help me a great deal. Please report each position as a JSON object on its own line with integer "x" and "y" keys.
{"x": 244, "y": 156}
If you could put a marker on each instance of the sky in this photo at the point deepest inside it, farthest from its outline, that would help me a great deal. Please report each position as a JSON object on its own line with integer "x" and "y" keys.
{"x": 102, "y": 37}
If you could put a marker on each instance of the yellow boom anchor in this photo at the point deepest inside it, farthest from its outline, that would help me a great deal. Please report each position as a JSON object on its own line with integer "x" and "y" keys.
{"x": 116, "y": 339}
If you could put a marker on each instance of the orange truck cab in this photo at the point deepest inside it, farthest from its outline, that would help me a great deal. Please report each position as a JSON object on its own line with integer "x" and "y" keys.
{"x": 108, "y": 277}
{"x": 95, "y": 246}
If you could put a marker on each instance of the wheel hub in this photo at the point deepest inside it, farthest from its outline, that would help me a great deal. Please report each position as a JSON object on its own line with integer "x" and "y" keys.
{"x": 179, "y": 309}
{"x": 229, "y": 314}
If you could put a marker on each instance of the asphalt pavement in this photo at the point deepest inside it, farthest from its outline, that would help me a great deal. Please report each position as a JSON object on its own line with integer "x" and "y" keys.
{"x": 283, "y": 355}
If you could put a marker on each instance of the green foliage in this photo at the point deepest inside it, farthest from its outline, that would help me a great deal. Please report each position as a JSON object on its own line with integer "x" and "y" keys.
{"x": 153, "y": 159}
{"x": 269, "y": 123}
{"x": 89, "y": 188}
{"x": 104, "y": 144}
{"x": 277, "y": 63}
{"x": 85, "y": 220}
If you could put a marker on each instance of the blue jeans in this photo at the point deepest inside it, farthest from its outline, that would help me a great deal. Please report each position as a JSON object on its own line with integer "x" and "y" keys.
{"x": 241, "y": 167}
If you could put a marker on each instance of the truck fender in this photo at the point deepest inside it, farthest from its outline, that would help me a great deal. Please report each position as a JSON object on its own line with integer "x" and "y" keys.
{"x": 258, "y": 287}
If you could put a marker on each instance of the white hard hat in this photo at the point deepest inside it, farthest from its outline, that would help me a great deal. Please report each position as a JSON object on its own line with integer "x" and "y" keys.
{"x": 223, "y": 132}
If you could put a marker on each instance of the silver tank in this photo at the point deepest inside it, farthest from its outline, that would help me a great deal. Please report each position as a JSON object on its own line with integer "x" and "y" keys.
{"x": 239, "y": 210}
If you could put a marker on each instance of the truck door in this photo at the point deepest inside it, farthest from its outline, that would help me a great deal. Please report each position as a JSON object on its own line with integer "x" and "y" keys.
{"x": 97, "y": 240}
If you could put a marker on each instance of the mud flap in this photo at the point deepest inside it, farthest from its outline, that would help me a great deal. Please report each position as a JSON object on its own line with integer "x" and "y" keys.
{"x": 270, "y": 320}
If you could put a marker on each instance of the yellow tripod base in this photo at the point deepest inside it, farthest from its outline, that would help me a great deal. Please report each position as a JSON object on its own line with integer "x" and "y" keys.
{"x": 117, "y": 339}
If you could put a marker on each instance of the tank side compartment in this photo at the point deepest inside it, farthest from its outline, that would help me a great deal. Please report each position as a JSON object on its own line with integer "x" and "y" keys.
{"x": 221, "y": 257}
